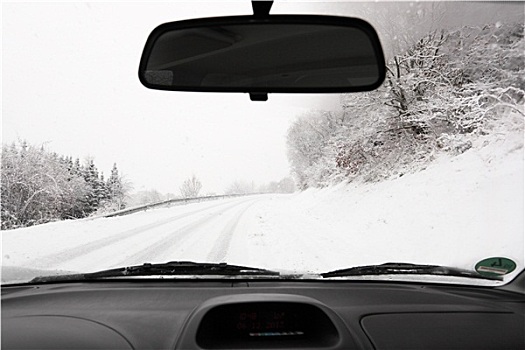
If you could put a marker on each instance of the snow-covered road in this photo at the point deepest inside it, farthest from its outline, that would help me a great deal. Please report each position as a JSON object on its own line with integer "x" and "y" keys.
{"x": 200, "y": 231}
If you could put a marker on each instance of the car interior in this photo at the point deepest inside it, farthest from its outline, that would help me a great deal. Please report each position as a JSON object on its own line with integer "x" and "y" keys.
{"x": 219, "y": 306}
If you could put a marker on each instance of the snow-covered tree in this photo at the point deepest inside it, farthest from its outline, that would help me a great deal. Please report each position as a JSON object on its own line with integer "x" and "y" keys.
{"x": 96, "y": 193}
{"x": 147, "y": 197}
{"x": 445, "y": 89}
{"x": 286, "y": 185}
{"x": 306, "y": 140}
{"x": 117, "y": 191}
{"x": 39, "y": 186}
{"x": 190, "y": 187}
{"x": 241, "y": 187}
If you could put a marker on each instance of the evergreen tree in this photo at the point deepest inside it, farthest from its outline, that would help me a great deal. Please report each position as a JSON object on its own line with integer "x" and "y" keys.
{"x": 115, "y": 189}
{"x": 90, "y": 175}
{"x": 77, "y": 168}
{"x": 103, "y": 189}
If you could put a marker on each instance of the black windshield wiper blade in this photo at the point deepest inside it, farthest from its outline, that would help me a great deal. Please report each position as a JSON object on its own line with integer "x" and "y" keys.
{"x": 173, "y": 268}
{"x": 404, "y": 269}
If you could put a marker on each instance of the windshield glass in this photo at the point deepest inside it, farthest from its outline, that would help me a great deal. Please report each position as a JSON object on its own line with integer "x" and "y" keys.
{"x": 99, "y": 172}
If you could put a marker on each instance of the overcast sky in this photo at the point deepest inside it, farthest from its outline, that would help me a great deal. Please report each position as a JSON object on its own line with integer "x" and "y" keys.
{"x": 69, "y": 81}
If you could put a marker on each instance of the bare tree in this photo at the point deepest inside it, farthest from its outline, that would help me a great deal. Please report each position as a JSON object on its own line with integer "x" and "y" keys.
{"x": 191, "y": 187}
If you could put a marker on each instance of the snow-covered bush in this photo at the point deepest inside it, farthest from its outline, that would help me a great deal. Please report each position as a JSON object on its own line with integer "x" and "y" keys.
{"x": 39, "y": 186}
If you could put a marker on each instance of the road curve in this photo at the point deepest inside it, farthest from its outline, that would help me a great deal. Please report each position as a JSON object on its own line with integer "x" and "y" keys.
{"x": 170, "y": 238}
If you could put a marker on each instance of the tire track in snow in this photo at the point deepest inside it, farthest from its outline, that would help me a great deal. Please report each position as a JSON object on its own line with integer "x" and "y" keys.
{"x": 222, "y": 244}
{"x": 51, "y": 260}
{"x": 164, "y": 245}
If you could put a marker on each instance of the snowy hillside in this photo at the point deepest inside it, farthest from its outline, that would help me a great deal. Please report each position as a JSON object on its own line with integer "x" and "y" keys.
{"x": 456, "y": 212}
{"x": 439, "y": 95}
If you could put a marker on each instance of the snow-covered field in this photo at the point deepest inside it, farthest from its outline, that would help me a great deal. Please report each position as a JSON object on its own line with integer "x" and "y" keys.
{"x": 456, "y": 212}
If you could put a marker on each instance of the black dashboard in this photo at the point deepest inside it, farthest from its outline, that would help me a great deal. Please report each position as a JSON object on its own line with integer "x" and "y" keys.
{"x": 260, "y": 314}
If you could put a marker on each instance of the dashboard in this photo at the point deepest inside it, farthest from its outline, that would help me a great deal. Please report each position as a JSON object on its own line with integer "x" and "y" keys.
{"x": 260, "y": 314}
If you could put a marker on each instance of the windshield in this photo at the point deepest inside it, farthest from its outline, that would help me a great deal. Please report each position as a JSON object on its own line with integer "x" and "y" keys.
{"x": 99, "y": 172}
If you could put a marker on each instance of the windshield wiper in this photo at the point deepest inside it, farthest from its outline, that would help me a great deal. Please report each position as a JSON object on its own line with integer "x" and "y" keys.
{"x": 173, "y": 268}
{"x": 407, "y": 269}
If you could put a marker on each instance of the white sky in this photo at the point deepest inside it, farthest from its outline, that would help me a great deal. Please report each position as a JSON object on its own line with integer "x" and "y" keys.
{"x": 69, "y": 80}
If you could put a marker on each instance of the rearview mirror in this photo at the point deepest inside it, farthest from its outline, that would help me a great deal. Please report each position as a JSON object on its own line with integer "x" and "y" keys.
{"x": 277, "y": 53}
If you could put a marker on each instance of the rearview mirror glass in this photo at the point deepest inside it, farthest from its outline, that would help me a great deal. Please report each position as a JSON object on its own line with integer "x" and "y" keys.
{"x": 278, "y": 53}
